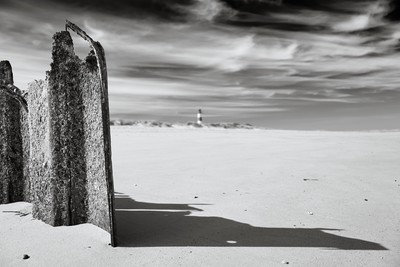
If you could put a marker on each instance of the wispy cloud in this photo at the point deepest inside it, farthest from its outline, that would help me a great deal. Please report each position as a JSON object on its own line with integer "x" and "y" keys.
{"x": 171, "y": 57}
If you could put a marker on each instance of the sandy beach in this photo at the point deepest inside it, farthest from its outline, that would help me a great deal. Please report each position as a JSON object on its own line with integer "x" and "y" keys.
{"x": 232, "y": 197}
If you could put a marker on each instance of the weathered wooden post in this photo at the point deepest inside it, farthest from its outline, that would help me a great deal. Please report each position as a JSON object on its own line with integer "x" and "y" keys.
{"x": 12, "y": 182}
{"x": 70, "y": 144}
{"x": 94, "y": 84}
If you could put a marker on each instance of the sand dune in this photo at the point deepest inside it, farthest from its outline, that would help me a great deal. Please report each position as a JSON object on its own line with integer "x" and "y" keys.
{"x": 232, "y": 197}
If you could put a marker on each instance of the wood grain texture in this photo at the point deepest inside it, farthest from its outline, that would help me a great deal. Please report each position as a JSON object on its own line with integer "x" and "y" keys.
{"x": 75, "y": 172}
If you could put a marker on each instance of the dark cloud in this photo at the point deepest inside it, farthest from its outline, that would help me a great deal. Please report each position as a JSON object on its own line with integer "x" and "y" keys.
{"x": 394, "y": 13}
{"x": 162, "y": 9}
{"x": 294, "y": 6}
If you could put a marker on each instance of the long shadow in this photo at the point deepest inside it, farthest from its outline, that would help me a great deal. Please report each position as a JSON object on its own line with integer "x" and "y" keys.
{"x": 141, "y": 224}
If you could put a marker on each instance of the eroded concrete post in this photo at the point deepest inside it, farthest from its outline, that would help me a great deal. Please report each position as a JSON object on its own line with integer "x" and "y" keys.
{"x": 67, "y": 143}
{"x": 70, "y": 140}
{"x": 42, "y": 180}
{"x": 6, "y": 74}
{"x": 12, "y": 182}
{"x": 24, "y": 119}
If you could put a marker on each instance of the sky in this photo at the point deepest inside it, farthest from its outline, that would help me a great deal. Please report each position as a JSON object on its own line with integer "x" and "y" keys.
{"x": 294, "y": 64}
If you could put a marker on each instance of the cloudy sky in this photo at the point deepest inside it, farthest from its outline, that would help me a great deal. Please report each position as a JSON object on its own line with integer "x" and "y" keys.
{"x": 291, "y": 64}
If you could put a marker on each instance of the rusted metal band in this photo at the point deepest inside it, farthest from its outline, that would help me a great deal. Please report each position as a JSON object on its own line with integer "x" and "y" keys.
{"x": 15, "y": 93}
{"x": 98, "y": 51}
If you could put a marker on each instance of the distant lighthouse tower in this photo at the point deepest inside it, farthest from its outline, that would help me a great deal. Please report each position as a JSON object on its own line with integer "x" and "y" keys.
{"x": 199, "y": 117}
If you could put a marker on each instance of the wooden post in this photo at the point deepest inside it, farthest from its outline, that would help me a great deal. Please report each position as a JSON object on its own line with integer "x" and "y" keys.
{"x": 12, "y": 182}
{"x": 91, "y": 98}
{"x": 70, "y": 120}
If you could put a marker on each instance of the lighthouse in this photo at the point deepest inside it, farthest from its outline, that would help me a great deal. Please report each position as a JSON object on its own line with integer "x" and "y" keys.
{"x": 199, "y": 117}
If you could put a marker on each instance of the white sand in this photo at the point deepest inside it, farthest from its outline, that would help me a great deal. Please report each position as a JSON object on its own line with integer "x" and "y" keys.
{"x": 214, "y": 197}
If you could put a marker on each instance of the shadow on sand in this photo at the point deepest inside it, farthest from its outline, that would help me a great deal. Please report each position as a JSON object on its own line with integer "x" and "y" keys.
{"x": 141, "y": 224}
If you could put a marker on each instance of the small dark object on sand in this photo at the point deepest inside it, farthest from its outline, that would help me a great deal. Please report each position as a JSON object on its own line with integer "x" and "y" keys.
{"x": 26, "y": 256}
{"x": 196, "y": 197}
{"x": 365, "y": 199}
